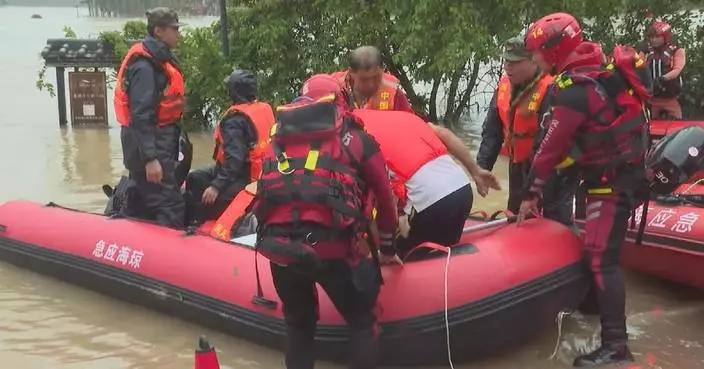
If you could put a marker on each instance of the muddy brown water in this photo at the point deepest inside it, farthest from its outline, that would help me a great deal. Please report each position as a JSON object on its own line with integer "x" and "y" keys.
{"x": 45, "y": 323}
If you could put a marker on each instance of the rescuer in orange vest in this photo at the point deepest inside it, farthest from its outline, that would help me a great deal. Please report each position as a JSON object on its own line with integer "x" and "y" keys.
{"x": 513, "y": 120}
{"x": 241, "y": 137}
{"x": 367, "y": 84}
{"x": 149, "y": 102}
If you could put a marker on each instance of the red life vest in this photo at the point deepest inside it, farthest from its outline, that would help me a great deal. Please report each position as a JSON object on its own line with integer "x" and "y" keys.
{"x": 406, "y": 141}
{"x": 661, "y": 63}
{"x": 384, "y": 97}
{"x": 171, "y": 101}
{"x": 309, "y": 201}
{"x": 262, "y": 118}
{"x": 519, "y": 116}
{"x": 616, "y": 134}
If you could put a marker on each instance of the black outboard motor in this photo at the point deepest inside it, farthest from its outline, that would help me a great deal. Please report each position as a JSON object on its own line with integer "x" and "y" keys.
{"x": 675, "y": 159}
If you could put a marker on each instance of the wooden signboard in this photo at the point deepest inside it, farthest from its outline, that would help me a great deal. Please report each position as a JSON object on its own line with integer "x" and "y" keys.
{"x": 89, "y": 102}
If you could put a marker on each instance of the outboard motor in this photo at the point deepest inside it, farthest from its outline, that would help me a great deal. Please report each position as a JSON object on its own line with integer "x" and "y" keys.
{"x": 675, "y": 159}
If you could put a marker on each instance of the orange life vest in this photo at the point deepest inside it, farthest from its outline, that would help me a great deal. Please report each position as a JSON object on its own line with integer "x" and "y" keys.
{"x": 171, "y": 101}
{"x": 384, "y": 97}
{"x": 262, "y": 117}
{"x": 406, "y": 141}
{"x": 520, "y": 117}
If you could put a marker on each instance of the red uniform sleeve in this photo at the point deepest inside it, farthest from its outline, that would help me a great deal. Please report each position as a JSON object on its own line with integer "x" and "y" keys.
{"x": 374, "y": 173}
{"x": 568, "y": 114}
{"x": 401, "y": 102}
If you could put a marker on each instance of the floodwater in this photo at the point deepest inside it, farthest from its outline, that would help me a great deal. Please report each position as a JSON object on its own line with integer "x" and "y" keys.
{"x": 45, "y": 323}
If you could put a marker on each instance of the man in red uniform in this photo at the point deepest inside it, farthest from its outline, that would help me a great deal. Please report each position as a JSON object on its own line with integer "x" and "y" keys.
{"x": 310, "y": 205}
{"x": 598, "y": 124}
{"x": 666, "y": 60}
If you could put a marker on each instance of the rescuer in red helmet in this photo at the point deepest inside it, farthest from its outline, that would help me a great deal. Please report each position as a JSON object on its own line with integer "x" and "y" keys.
{"x": 666, "y": 61}
{"x": 597, "y": 124}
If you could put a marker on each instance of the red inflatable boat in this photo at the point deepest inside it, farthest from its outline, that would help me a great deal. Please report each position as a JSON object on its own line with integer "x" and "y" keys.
{"x": 504, "y": 284}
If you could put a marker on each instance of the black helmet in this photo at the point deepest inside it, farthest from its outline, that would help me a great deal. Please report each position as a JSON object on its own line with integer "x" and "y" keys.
{"x": 242, "y": 86}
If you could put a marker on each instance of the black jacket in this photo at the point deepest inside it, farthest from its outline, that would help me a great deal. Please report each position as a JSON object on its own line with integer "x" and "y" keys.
{"x": 238, "y": 137}
{"x": 145, "y": 81}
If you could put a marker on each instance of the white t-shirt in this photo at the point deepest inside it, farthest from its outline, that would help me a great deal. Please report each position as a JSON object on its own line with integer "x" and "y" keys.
{"x": 433, "y": 181}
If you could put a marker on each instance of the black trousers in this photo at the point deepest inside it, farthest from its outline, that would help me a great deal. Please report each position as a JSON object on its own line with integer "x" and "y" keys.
{"x": 441, "y": 223}
{"x": 196, "y": 183}
{"x": 353, "y": 290}
{"x": 558, "y": 192}
{"x": 161, "y": 202}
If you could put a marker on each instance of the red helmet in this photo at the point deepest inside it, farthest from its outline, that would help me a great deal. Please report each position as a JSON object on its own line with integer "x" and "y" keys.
{"x": 554, "y": 36}
{"x": 661, "y": 29}
{"x": 322, "y": 84}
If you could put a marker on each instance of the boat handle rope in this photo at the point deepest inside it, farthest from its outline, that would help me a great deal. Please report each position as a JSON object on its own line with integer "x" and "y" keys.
{"x": 448, "y": 250}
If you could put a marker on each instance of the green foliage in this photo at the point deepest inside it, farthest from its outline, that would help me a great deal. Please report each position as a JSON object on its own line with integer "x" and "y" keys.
{"x": 445, "y": 53}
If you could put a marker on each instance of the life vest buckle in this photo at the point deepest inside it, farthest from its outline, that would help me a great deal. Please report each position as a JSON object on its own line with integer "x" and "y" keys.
{"x": 284, "y": 166}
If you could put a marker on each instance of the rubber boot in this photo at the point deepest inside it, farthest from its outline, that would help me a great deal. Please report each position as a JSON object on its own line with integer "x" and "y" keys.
{"x": 604, "y": 355}
{"x": 206, "y": 357}
{"x": 614, "y": 347}
{"x": 300, "y": 349}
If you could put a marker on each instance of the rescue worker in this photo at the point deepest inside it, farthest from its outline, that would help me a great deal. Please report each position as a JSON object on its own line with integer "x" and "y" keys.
{"x": 241, "y": 137}
{"x": 149, "y": 101}
{"x": 593, "y": 113}
{"x": 513, "y": 120}
{"x": 310, "y": 206}
{"x": 368, "y": 86}
{"x": 433, "y": 191}
{"x": 666, "y": 61}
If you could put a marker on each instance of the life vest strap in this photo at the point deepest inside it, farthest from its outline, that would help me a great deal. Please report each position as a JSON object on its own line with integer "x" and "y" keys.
{"x": 285, "y": 190}
{"x": 313, "y": 160}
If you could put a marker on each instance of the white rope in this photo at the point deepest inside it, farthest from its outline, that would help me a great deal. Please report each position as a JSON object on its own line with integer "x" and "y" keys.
{"x": 692, "y": 185}
{"x": 560, "y": 316}
{"x": 447, "y": 319}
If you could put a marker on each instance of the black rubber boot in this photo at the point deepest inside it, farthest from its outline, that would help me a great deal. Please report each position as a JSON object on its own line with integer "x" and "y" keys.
{"x": 604, "y": 355}
{"x": 299, "y": 349}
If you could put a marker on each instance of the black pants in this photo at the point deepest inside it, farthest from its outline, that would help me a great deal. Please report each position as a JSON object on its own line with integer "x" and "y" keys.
{"x": 196, "y": 183}
{"x": 605, "y": 232}
{"x": 161, "y": 202}
{"x": 353, "y": 291}
{"x": 441, "y": 223}
{"x": 558, "y": 193}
